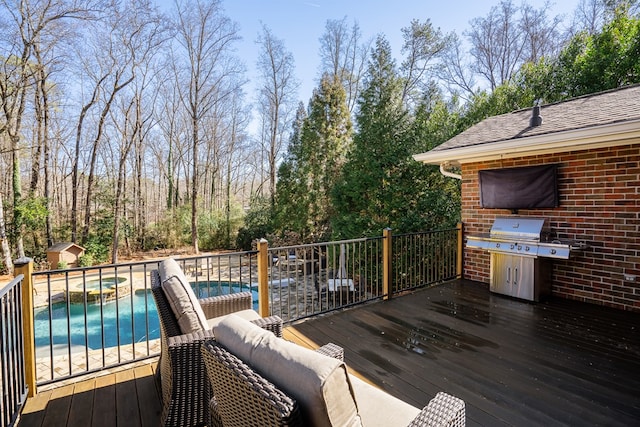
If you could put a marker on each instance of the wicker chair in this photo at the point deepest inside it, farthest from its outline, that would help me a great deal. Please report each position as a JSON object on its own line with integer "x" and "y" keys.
{"x": 186, "y": 391}
{"x": 244, "y": 398}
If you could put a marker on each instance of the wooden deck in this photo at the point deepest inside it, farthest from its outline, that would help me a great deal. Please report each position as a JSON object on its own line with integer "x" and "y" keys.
{"x": 125, "y": 398}
{"x": 514, "y": 363}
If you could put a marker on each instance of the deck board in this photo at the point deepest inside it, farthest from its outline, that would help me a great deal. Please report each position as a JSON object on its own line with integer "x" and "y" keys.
{"x": 148, "y": 403}
{"x": 104, "y": 404}
{"x": 513, "y": 363}
{"x": 127, "y": 411}
{"x": 81, "y": 403}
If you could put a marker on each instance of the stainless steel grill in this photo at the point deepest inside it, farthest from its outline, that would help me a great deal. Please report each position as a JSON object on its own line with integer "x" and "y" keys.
{"x": 524, "y": 236}
{"x": 521, "y": 248}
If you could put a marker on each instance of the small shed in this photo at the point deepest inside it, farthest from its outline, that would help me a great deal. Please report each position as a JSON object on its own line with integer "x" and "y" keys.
{"x": 65, "y": 252}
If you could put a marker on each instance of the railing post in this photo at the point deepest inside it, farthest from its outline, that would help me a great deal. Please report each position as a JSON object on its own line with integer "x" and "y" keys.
{"x": 386, "y": 264}
{"x": 24, "y": 266}
{"x": 460, "y": 254}
{"x": 263, "y": 277}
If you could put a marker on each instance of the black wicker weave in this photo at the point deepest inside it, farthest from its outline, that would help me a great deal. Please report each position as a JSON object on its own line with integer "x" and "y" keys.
{"x": 243, "y": 397}
{"x": 246, "y": 399}
{"x": 186, "y": 391}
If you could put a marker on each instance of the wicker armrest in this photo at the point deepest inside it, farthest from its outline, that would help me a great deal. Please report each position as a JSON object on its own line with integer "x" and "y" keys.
{"x": 186, "y": 339}
{"x": 271, "y": 323}
{"x": 442, "y": 410}
{"x": 244, "y": 397}
{"x": 332, "y": 350}
{"x": 225, "y": 304}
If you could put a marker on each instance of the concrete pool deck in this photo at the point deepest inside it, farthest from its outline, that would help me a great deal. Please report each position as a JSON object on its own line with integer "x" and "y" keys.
{"x": 79, "y": 362}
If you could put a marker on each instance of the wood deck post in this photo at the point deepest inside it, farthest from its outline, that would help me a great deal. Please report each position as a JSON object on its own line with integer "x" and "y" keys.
{"x": 386, "y": 264}
{"x": 263, "y": 277}
{"x": 24, "y": 266}
{"x": 460, "y": 253}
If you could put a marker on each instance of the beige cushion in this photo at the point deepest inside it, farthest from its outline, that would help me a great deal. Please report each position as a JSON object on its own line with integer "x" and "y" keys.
{"x": 248, "y": 314}
{"x": 182, "y": 299}
{"x": 238, "y": 336}
{"x": 379, "y": 409}
{"x": 319, "y": 383}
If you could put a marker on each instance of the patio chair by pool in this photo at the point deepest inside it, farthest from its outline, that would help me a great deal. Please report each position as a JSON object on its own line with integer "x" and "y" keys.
{"x": 185, "y": 323}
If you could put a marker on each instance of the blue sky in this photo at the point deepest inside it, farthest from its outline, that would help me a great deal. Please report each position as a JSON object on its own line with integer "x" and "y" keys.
{"x": 300, "y": 23}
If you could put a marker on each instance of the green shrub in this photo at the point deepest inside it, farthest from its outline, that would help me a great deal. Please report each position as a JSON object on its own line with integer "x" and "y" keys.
{"x": 85, "y": 260}
{"x": 257, "y": 224}
{"x": 62, "y": 265}
{"x": 97, "y": 250}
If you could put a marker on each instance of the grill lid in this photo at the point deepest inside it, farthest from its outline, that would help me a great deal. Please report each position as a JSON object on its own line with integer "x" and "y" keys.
{"x": 527, "y": 228}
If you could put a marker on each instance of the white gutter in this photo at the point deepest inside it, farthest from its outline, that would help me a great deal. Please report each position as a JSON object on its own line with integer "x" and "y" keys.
{"x": 577, "y": 139}
{"x": 447, "y": 173}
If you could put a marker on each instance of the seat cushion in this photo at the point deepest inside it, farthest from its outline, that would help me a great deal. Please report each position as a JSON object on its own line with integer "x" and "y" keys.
{"x": 379, "y": 409}
{"x": 242, "y": 395}
{"x": 182, "y": 299}
{"x": 248, "y": 314}
{"x": 320, "y": 384}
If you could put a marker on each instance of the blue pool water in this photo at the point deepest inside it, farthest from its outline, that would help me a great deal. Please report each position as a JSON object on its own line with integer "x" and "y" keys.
{"x": 111, "y": 321}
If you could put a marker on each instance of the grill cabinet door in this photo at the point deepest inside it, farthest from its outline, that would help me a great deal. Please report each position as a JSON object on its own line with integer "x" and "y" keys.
{"x": 512, "y": 275}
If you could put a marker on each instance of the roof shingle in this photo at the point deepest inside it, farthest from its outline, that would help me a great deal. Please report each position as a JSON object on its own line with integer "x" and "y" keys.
{"x": 613, "y": 106}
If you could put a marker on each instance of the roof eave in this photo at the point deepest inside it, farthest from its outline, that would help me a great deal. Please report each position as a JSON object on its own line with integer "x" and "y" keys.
{"x": 612, "y": 134}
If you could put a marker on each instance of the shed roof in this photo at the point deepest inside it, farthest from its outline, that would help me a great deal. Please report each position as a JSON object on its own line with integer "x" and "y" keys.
{"x": 601, "y": 119}
{"x": 63, "y": 246}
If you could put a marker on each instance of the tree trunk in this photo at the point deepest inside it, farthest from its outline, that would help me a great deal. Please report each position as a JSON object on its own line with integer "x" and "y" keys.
{"x": 6, "y": 251}
{"x": 194, "y": 189}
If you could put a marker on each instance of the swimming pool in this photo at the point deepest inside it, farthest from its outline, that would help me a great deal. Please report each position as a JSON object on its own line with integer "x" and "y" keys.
{"x": 123, "y": 321}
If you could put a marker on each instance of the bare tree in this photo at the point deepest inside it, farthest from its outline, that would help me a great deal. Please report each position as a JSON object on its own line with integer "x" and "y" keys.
{"x": 205, "y": 36}
{"x": 115, "y": 51}
{"x": 423, "y": 44}
{"x": 277, "y": 95}
{"x": 591, "y": 15}
{"x": 146, "y": 36}
{"x": 30, "y": 26}
{"x": 344, "y": 54}
{"x": 497, "y": 44}
{"x": 454, "y": 71}
{"x": 509, "y": 36}
{"x": 172, "y": 124}
{"x": 542, "y": 35}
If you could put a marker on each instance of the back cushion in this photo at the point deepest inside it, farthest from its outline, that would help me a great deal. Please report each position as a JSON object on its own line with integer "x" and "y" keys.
{"x": 182, "y": 299}
{"x": 319, "y": 383}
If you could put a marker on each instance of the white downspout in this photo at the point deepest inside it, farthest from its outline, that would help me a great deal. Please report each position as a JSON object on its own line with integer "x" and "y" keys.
{"x": 447, "y": 173}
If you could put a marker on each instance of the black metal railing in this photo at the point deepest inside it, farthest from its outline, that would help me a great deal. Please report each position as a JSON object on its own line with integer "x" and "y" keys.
{"x": 89, "y": 319}
{"x": 422, "y": 259}
{"x": 13, "y": 385}
{"x": 306, "y": 280}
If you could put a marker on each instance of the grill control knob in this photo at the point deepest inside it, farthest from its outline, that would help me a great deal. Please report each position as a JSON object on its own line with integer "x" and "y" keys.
{"x": 497, "y": 245}
{"x": 519, "y": 247}
{"x": 512, "y": 246}
{"x": 553, "y": 251}
{"x": 527, "y": 248}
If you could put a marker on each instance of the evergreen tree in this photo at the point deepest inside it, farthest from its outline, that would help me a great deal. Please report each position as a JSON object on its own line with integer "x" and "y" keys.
{"x": 326, "y": 136}
{"x": 314, "y": 161}
{"x": 365, "y": 196}
{"x": 381, "y": 185}
{"x": 292, "y": 198}
{"x": 602, "y": 61}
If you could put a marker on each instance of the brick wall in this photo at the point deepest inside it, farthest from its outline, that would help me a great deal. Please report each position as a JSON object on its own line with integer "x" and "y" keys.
{"x": 599, "y": 203}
